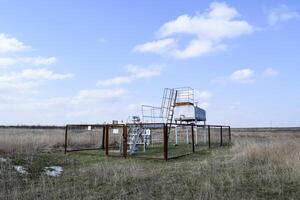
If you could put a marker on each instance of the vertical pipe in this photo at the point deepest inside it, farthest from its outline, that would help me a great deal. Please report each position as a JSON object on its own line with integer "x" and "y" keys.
{"x": 208, "y": 136}
{"x": 205, "y": 134}
{"x": 165, "y": 142}
{"x": 125, "y": 141}
{"x": 193, "y": 142}
{"x": 176, "y": 135}
{"x": 150, "y": 136}
{"x": 221, "y": 142}
{"x": 106, "y": 139}
{"x": 66, "y": 139}
{"x": 187, "y": 135}
{"x": 229, "y": 135}
{"x": 196, "y": 135}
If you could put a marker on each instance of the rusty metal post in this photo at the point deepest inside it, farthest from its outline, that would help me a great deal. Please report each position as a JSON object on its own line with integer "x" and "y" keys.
{"x": 103, "y": 137}
{"x": 66, "y": 139}
{"x": 125, "y": 141}
{"x": 106, "y": 139}
{"x": 221, "y": 142}
{"x": 208, "y": 136}
{"x": 165, "y": 142}
{"x": 229, "y": 135}
{"x": 193, "y": 140}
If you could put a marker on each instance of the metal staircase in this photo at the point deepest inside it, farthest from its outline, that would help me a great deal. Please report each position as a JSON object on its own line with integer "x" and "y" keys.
{"x": 136, "y": 137}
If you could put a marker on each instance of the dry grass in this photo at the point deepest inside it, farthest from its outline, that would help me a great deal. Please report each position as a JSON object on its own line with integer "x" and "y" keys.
{"x": 37, "y": 139}
{"x": 285, "y": 153}
{"x": 30, "y": 140}
{"x": 264, "y": 167}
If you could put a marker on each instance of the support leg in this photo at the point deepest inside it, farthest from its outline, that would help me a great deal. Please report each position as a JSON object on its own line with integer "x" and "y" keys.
{"x": 196, "y": 138}
{"x": 187, "y": 135}
{"x": 176, "y": 135}
{"x": 205, "y": 134}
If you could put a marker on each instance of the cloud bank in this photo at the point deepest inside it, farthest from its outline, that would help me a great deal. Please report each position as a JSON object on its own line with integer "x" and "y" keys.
{"x": 209, "y": 31}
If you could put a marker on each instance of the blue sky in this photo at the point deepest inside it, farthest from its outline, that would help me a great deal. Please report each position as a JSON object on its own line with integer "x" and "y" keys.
{"x": 94, "y": 61}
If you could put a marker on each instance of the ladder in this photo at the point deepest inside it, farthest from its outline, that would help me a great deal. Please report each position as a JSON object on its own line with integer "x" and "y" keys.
{"x": 168, "y": 106}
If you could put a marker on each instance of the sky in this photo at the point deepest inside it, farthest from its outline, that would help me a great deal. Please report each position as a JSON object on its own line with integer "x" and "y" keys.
{"x": 94, "y": 61}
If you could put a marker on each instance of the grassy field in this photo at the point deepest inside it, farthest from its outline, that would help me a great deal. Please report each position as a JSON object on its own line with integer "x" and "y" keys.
{"x": 260, "y": 167}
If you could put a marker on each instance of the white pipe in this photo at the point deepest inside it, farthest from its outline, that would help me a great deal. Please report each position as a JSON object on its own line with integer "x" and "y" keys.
{"x": 196, "y": 135}
{"x": 205, "y": 136}
{"x": 145, "y": 142}
{"x": 176, "y": 135}
{"x": 187, "y": 135}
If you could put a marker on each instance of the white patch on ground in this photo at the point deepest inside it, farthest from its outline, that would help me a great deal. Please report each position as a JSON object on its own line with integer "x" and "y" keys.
{"x": 53, "y": 171}
{"x": 20, "y": 169}
{"x": 3, "y": 159}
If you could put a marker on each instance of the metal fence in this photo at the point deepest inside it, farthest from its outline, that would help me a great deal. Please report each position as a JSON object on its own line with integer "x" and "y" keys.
{"x": 155, "y": 141}
{"x": 84, "y": 137}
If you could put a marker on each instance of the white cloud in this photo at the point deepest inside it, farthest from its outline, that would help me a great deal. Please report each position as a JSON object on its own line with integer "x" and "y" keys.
{"x": 210, "y": 29}
{"x": 43, "y": 74}
{"x": 243, "y": 75}
{"x": 143, "y": 72}
{"x": 158, "y": 46}
{"x": 134, "y": 73}
{"x": 204, "y": 105}
{"x": 202, "y": 95}
{"x": 269, "y": 72}
{"x": 90, "y": 96}
{"x": 202, "y": 98}
{"x": 5, "y": 62}
{"x": 216, "y": 24}
{"x": 196, "y": 48}
{"x": 10, "y": 44}
{"x": 115, "y": 81}
{"x": 281, "y": 13}
{"x": 50, "y": 103}
{"x": 35, "y": 61}
{"x": 91, "y": 104}
{"x": 28, "y": 79}
{"x": 16, "y": 86}
{"x": 38, "y": 60}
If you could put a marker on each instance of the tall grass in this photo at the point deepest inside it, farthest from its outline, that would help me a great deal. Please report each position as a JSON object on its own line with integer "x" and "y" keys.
{"x": 253, "y": 168}
{"x": 30, "y": 140}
